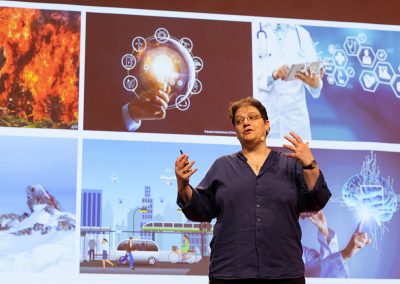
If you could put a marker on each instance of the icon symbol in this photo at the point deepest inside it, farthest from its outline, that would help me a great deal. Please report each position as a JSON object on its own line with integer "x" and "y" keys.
{"x": 381, "y": 54}
{"x": 350, "y": 71}
{"x": 366, "y": 59}
{"x": 198, "y": 63}
{"x": 128, "y": 61}
{"x": 383, "y": 72}
{"x": 182, "y": 102}
{"x": 362, "y": 37}
{"x": 187, "y": 43}
{"x": 139, "y": 44}
{"x": 130, "y": 83}
{"x": 352, "y": 45}
{"x": 340, "y": 77}
{"x": 161, "y": 35}
{"x": 369, "y": 80}
{"x": 339, "y": 58}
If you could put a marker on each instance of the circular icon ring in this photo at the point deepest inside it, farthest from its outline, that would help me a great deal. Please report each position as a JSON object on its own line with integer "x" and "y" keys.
{"x": 187, "y": 43}
{"x": 182, "y": 102}
{"x": 128, "y": 61}
{"x": 161, "y": 35}
{"x": 139, "y": 44}
{"x": 130, "y": 83}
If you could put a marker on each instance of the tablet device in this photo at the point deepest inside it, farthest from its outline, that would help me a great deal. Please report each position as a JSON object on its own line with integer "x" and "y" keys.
{"x": 315, "y": 67}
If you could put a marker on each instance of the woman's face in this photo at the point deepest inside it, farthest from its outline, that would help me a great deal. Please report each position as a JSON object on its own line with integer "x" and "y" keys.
{"x": 250, "y": 127}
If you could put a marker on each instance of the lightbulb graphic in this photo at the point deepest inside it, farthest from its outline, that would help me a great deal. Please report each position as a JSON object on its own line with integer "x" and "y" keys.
{"x": 162, "y": 61}
{"x": 163, "y": 69}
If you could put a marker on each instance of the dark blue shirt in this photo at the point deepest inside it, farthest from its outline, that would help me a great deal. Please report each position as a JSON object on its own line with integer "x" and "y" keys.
{"x": 257, "y": 233}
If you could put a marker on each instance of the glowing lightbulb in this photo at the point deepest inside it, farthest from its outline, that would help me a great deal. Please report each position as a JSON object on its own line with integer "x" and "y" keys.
{"x": 162, "y": 68}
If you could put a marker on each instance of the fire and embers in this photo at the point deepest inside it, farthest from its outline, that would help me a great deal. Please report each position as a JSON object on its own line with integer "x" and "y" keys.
{"x": 39, "y": 68}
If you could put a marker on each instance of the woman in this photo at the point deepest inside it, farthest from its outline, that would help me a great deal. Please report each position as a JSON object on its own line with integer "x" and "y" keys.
{"x": 106, "y": 248}
{"x": 256, "y": 195}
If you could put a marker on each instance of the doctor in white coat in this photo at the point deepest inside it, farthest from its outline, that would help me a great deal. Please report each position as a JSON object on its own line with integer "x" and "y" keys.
{"x": 279, "y": 46}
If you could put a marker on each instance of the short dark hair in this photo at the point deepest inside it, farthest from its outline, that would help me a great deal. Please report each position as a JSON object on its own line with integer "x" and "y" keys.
{"x": 249, "y": 101}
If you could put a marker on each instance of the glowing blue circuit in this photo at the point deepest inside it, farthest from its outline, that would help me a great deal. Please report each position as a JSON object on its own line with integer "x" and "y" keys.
{"x": 372, "y": 195}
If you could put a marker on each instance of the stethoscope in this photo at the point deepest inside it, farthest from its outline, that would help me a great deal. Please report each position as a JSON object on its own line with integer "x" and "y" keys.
{"x": 351, "y": 44}
{"x": 262, "y": 40}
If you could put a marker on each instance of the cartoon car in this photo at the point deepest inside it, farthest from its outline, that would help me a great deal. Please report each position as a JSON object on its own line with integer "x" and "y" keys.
{"x": 146, "y": 251}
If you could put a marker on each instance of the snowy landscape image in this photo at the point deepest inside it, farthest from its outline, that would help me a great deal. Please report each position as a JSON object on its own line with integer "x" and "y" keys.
{"x": 37, "y": 208}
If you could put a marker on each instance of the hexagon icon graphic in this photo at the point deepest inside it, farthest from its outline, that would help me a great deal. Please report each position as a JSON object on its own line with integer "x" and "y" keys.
{"x": 341, "y": 77}
{"x": 384, "y": 71}
{"x": 381, "y": 54}
{"x": 339, "y": 58}
{"x": 396, "y": 86}
{"x": 366, "y": 56}
{"x": 368, "y": 80}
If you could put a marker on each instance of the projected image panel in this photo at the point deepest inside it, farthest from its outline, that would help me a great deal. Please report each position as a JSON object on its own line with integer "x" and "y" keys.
{"x": 129, "y": 193}
{"x": 359, "y": 81}
{"x": 39, "y": 68}
{"x": 164, "y": 75}
{"x": 38, "y": 197}
{"x": 365, "y": 199}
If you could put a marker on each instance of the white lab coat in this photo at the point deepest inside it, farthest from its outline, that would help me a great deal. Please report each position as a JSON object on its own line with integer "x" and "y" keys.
{"x": 285, "y": 101}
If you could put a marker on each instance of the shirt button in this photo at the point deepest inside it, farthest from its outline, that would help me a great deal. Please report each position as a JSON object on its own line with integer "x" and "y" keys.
{"x": 258, "y": 219}
{"x": 258, "y": 205}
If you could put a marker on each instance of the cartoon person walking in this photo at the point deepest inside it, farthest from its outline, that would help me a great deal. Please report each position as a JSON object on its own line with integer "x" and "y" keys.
{"x": 105, "y": 247}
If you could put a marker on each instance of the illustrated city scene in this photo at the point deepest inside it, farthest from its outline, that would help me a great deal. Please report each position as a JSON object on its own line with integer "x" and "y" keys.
{"x": 124, "y": 195}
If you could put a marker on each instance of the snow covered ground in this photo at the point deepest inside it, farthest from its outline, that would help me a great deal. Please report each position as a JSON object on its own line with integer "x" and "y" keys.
{"x": 52, "y": 252}
{"x": 49, "y": 253}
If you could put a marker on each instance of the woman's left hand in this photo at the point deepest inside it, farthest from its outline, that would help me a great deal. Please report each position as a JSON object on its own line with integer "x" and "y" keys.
{"x": 300, "y": 150}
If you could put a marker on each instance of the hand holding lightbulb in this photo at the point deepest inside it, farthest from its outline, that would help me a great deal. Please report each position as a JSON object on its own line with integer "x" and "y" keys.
{"x": 154, "y": 105}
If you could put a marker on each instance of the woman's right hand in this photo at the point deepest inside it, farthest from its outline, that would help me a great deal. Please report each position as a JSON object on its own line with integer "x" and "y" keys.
{"x": 183, "y": 172}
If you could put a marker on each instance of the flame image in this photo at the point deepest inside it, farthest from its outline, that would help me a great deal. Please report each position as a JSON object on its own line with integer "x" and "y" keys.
{"x": 39, "y": 68}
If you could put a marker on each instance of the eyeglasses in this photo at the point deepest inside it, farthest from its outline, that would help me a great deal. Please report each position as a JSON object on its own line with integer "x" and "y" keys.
{"x": 251, "y": 117}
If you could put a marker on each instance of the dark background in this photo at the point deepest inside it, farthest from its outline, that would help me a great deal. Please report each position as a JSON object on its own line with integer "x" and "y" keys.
{"x": 226, "y": 75}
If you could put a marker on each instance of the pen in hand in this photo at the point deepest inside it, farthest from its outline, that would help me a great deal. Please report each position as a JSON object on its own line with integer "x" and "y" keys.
{"x": 186, "y": 162}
